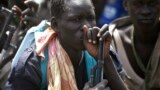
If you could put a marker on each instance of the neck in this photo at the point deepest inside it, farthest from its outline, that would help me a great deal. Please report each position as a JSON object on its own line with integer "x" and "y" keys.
{"x": 146, "y": 35}
{"x": 74, "y": 55}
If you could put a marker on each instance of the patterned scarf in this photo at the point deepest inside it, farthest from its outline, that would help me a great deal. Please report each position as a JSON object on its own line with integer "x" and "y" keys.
{"x": 60, "y": 72}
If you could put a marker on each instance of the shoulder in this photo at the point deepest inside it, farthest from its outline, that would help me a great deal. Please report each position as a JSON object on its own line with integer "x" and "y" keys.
{"x": 122, "y": 24}
{"x": 27, "y": 70}
{"x": 27, "y": 59}
{"x": 123, "y": 29}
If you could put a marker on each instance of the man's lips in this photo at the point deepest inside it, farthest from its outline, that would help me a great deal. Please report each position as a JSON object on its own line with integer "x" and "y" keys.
{"x": 146, "y": 20}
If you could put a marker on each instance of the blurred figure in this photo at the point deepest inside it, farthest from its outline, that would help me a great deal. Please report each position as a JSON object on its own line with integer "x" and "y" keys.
{"x": 112, "y": 9}
{"x": 44, "y": 9}
{"x": 4, "y": 70}
{"x": 6, "y": 53}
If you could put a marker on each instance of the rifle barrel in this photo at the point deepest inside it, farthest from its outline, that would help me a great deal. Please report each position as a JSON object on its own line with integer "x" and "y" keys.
{"x": 97, "y": 71}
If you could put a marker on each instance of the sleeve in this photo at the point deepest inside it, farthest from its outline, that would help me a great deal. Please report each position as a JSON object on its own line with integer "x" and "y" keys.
{"x": 26, "y": 75}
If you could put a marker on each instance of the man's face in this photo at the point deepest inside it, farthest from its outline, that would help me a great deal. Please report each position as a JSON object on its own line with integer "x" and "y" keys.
{"x": 144, "y": 12}
{"x": 78, "y": 14}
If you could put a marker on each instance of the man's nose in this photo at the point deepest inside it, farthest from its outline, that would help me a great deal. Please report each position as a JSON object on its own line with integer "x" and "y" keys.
{"x": 146, "y": 11}
{"x": 87, "y": 23}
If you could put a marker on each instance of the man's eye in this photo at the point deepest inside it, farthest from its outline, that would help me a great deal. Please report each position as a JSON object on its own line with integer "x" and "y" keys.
{"x": 76, "y": 19}
{"x": 91, "y": 17}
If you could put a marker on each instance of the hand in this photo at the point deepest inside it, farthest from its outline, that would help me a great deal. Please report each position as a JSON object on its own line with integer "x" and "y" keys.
{"x": 92, "y": 36}
{"x": 29, "y": 15}
{"x": 100, "y": 86}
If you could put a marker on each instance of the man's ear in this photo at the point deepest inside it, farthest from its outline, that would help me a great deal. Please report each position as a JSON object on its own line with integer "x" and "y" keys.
{"x": 125, "y": 4}
{"x": 53, "y": 23}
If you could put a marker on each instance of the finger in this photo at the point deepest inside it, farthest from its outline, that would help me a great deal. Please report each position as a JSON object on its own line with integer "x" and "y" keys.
{"x": 103, "y": 30}
{"x": 102, "y": 84}
{"x": 105, "y": 36}
{"x": 89, "y": 35}
{"x": 95, "y": 31}
{"x": 17, "y": 10}
{"x": 31, "y": 4}
{"x": 85, "y": 31}
{"x": 28, "y": 12}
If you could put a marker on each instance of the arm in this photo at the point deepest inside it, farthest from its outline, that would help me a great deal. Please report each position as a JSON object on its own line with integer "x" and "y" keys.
{"x": 115, "y": 81}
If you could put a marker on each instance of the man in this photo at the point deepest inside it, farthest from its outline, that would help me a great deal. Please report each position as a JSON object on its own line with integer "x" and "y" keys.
{"x": 59, "y": 60}
{"x": 137, "y": 41}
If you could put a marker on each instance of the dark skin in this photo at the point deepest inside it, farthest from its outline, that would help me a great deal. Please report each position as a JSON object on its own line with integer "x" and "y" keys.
{"x": 145, "y": 18}
{"x": 77, "y": 31}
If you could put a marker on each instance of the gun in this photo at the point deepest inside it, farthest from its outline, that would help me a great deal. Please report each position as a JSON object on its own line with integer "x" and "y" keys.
{"x": 8, "y": 20}
{"x": 97, "y": 71}
{"x": 4, "y": 54}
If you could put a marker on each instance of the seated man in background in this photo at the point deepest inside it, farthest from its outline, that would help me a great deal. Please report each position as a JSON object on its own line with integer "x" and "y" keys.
{"x": 137, "y": 41}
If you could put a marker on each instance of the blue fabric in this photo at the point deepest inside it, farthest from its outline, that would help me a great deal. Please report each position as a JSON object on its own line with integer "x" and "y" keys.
{"x": 28, "y": 40}
{"x": 44, "y": 64}
{"x": 90, "y": 63}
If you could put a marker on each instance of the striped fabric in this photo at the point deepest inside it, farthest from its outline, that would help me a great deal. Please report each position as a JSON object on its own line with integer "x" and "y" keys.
{"x": 60, "y": 72}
